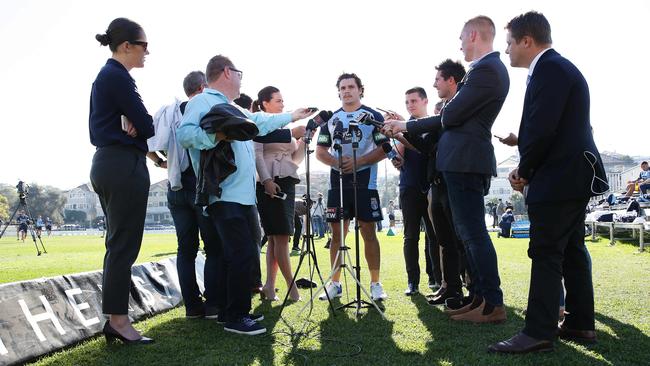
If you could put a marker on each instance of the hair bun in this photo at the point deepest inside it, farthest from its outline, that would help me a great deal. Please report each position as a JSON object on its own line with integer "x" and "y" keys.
{"x": 104, "y": 39}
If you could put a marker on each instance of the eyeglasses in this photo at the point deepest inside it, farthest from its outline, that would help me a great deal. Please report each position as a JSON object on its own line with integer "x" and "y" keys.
{"x": 141, "y": 43}
{"x": 241, "y": 73}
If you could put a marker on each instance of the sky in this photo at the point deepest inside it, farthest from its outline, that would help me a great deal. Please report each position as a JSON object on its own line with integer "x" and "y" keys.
{"x": 50, "y": 58}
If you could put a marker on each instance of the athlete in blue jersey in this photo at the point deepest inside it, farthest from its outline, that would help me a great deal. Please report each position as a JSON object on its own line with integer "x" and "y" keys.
{"x": 368, "y": 154}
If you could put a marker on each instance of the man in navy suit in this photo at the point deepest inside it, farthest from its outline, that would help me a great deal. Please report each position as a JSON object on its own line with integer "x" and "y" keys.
{"x": 559, "y": 170}
{"x": 466, "y": 159}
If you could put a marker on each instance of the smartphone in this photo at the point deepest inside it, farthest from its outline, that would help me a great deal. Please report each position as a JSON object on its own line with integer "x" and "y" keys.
{"x": 499, "y": 137}
{"x": 280, "y": 195}
{"x": 312, "y": 109}
{"x": 125, "y": 123}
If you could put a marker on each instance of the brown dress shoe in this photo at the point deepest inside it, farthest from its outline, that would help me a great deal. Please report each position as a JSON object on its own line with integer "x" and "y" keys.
{"x": 521, "y": 343}
{"x": 462, "y": 310}
{"x": 576, "y": 335}
{"x": 498, "y": 315}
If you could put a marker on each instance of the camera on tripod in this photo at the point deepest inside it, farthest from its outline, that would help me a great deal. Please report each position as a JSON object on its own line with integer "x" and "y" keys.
{"x": 22, "y": 189}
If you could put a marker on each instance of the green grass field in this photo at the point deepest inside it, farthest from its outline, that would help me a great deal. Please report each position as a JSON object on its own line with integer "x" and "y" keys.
{"x": 413, "y": 334}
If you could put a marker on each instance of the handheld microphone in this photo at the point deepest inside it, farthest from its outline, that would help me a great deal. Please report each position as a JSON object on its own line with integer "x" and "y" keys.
{"x": 320, "y": 119}
{"x": 366, "y": 119}
{"x": 388, "y": 150}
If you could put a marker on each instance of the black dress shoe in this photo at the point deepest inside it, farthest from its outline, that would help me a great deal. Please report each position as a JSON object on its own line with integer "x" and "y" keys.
{"x": 521, "y": 343}
{"x": 411, "y": 290}
{"x": 456, "y": 303}
{"x": 113, "y": 335}
{"x": 441, "y": 299}
{"x": 575, "y": 335}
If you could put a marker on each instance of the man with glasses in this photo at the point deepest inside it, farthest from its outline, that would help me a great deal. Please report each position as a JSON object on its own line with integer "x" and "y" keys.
{"x": 233, "y": 214}
{"x": 188, "y": 218}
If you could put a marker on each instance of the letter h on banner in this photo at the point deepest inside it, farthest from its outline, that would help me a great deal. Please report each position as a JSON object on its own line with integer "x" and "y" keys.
{"x": 34, "y": 319}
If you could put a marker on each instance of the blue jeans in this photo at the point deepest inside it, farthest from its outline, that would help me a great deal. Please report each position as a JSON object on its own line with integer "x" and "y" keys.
{"x": 466, "y": 192}
{"x": 189, "y": 221}
{"x": 318, "y": 226}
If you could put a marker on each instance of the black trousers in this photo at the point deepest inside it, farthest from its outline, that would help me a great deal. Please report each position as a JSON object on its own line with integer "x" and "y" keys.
{"x": 238, "y": 229}
{"x": 414, "y": 209}
{"x": 453, "y": 259}
{"x": 120, "y": 178}
{"x": 557, "y": 249}
{"x": 297, "y": 231}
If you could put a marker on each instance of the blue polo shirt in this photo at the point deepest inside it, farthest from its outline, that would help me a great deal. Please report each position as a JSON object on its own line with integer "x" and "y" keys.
{"x": 239, "y": 187}
{"x": 114, "y": 94}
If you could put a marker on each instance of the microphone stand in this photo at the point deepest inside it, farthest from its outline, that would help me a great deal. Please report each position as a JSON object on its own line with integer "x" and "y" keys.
{"x": 307, "y": 239}
{"x": 358, "y": 304}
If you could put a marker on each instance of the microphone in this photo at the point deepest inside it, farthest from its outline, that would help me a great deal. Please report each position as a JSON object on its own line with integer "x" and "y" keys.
{"x": 366, "y": 119}
{"x": 320, "y": 119}
{"x": 388, "y": 150}
{"x": 338, "y": 135}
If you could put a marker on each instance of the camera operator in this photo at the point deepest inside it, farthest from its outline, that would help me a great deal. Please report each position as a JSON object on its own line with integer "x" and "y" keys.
{"x": 22, "y": 221}
{"x": 318, "y": 217}
{"x": 351, "y": 91}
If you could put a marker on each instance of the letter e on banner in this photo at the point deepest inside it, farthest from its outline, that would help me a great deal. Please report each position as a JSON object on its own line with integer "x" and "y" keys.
{"x": 80, "y": 306}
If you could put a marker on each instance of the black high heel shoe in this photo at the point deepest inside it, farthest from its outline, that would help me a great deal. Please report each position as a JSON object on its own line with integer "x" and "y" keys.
{"x": 112, "y": 335}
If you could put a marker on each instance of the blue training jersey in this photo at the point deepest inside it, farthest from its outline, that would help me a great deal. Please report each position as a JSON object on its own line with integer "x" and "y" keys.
{"x": 369, "y": 139}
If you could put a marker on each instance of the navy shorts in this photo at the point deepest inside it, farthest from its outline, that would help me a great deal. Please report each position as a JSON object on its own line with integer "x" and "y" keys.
{"x": 369, "y": 208}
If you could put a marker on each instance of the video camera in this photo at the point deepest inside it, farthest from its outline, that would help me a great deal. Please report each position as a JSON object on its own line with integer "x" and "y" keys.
{"x": 22, "y": 189}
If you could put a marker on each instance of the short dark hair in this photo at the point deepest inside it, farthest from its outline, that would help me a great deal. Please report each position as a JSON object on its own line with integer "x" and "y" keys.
{"x": 119, "y": 31}
{"x": 532, "y": 24}
{"x": 449, "y": 68}
{"x": 354, "y": 76}
{"x": 215, "y": 67}
{"x": 264, "y": 95}
{"x": 244, "y": 101}
{"x": 645, "y": 162}
{"x": 421, "y": 92}
{"x": 193, "y": 82}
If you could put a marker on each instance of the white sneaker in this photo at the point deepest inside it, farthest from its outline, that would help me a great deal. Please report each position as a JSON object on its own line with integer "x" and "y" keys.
{"x": 332, "y": 290}
{"x": 377, "y": 292}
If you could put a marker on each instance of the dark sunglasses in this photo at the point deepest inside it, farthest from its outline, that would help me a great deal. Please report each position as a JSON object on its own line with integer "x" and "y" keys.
{"x": 140, "y": 43}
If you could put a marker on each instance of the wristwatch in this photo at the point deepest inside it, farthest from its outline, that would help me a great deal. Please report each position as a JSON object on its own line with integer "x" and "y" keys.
{"x": 157, "y": 163}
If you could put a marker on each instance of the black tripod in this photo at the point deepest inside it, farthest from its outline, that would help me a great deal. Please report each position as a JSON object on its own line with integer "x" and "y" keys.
{"x": 30, "y": 224}
{"x": 307, "y": 239}
{"x": 343, "y": 255}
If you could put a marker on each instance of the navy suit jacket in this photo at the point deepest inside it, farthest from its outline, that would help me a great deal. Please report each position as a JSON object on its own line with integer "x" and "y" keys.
{"x": 558, "y": 155}
{"x": 465, "y": 145}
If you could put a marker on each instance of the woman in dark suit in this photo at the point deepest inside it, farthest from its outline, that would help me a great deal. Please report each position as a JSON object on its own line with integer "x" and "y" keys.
{"x": 119, "y": 127}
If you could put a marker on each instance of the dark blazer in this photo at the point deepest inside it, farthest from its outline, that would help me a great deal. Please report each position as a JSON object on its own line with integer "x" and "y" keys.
{"x": 555, "y": 135}
{"x": 465, "y": 145}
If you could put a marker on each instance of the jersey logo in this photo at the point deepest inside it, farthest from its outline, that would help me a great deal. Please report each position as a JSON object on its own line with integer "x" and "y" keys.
{"x": 374, "y": 204}
{"x": 323, "y": 139}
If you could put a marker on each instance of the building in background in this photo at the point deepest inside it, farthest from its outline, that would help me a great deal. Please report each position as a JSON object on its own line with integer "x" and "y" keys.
{"x": 83, "y": 198}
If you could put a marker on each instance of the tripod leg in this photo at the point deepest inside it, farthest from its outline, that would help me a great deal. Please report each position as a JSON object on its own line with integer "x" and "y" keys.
{"x": 9, "y": 221}
{"x": 30, "y": 227}
{"x": 357, "y": 302}
{"x": 322, "y": 287}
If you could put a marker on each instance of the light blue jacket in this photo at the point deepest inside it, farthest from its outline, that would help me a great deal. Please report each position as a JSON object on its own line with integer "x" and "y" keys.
{"x": 239, "y": 187}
